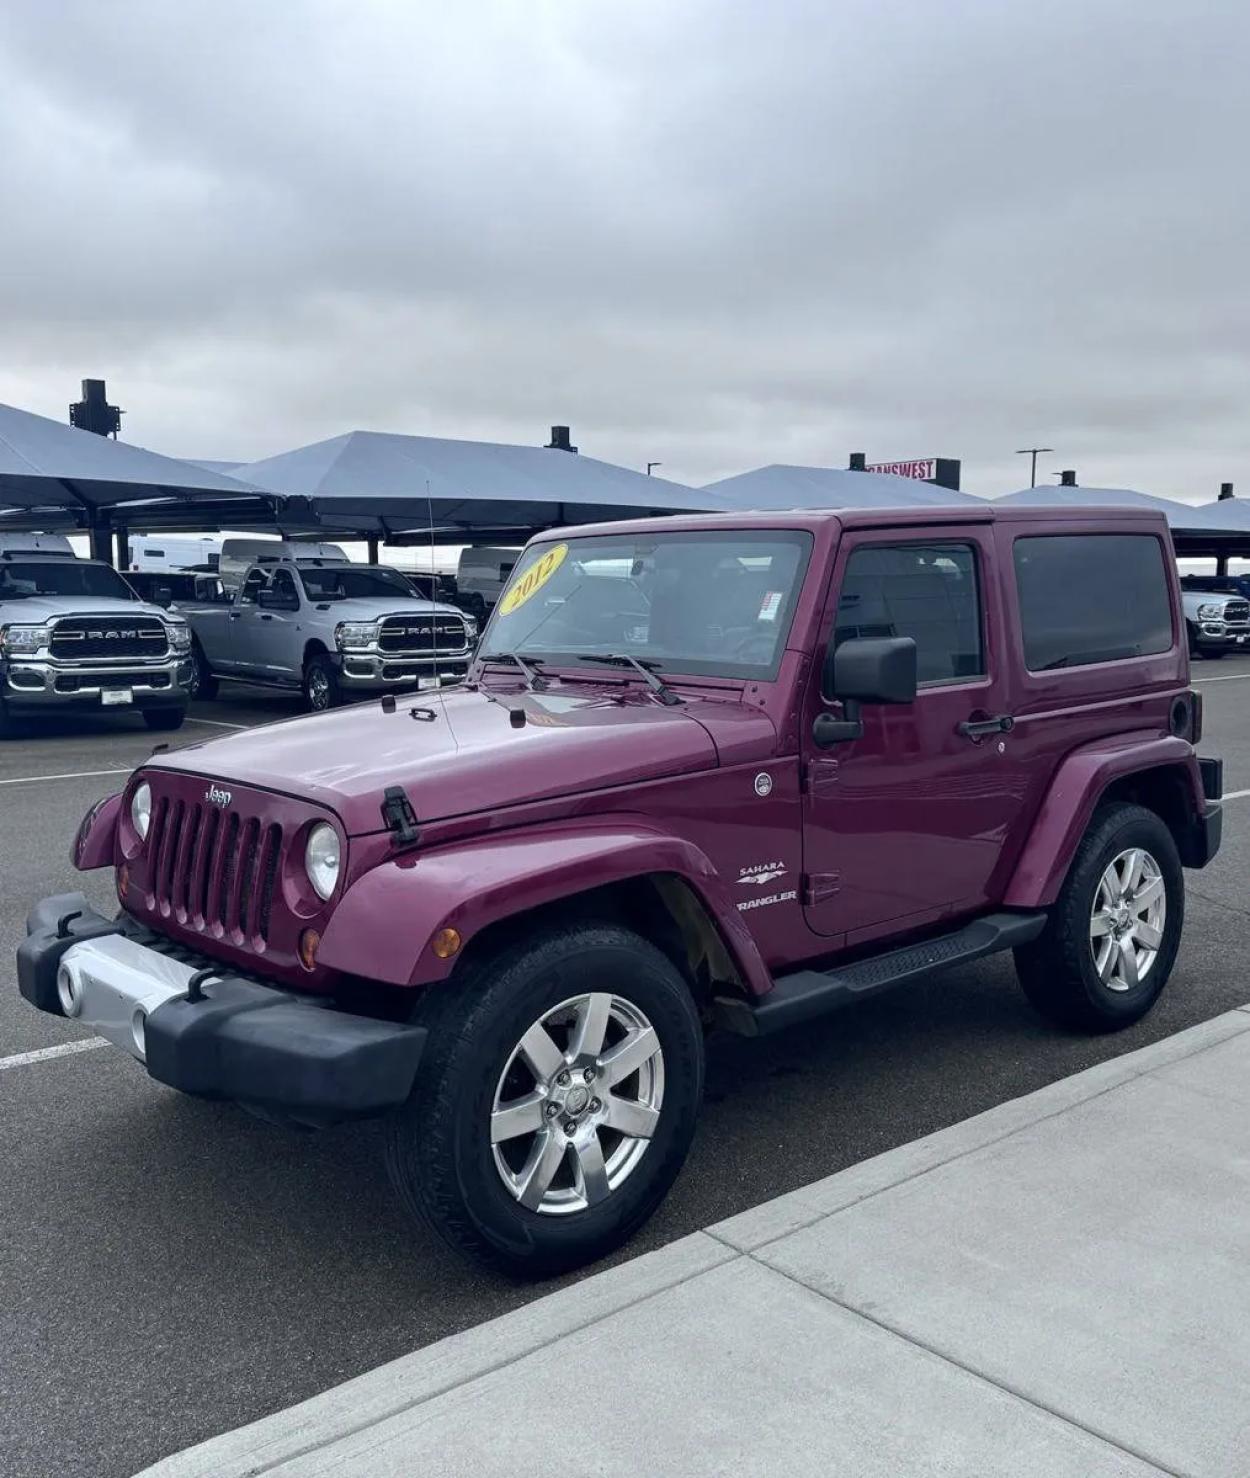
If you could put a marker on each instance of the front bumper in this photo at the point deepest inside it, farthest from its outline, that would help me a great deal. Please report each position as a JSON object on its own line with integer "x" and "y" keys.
{"x": 41, "y": 686}
{"x": 287, "y": 1056}
{"x": 1219, "y": 634}
{"x": 374, "y": 669}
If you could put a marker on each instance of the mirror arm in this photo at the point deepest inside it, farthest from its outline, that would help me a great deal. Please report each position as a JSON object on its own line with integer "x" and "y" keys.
{"x": 828, "y": 731}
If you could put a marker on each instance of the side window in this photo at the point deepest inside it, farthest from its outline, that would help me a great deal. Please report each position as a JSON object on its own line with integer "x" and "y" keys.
{"x": 252, "y": 586}
{"x": 925, "y": 591}
{"x": 283, "y": 583}
{"x": 1091, "y": 598}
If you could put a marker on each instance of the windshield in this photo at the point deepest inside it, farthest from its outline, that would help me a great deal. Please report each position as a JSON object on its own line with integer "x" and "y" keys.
{"x": 717, "y": 603}
{"x": 22, "y": 578}
{"x": 355, "y": 582}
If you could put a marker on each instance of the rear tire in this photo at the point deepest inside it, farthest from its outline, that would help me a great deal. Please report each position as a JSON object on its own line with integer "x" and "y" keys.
{"x": 321, "y": 684}
{"x": 589, "y": 1183}
{"x": 1108, "y": 906}
{"x": 164, "y": 720}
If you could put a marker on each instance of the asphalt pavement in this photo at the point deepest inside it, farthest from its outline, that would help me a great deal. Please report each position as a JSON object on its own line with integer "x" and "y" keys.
{"x": 172, "y": 1269}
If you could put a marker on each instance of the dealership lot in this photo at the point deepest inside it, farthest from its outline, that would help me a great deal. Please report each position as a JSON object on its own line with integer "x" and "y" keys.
{"x": 172, "y": 1268}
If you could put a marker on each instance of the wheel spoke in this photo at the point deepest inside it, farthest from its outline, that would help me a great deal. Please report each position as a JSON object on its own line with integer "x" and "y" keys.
{"x": 592, "y": 1174}
{"x": 543, "y": 1056}
{"x": 592, "y": 1025}
{"x": 521, "y": 1116}
{"x": 634, "y": 1119}
{"x": 626, "y": 1058}
{"x": 1128, "y": 962}
{"x": 1105, "y": 962}
{"x": 1147, "y": 894}
{"x": 540, "y": 1169}
{"x": 1147, "y": 935}
{"x": 1112, "y": 886}
{"x": 1101, "y": 923}
{"x": 1133, "y": 865}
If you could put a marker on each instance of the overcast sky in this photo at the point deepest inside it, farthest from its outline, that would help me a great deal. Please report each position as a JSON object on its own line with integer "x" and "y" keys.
{"x": 713, "y": 234}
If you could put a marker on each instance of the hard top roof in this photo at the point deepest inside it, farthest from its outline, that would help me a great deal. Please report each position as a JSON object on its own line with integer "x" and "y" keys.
{"x": 815, "y": 519}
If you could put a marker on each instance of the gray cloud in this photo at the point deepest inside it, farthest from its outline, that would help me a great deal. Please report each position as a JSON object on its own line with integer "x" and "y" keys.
{"x": 715, "y": 235}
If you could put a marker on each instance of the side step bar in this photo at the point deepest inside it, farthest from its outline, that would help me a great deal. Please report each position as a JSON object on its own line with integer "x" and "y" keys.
{"x": 810, "y": 993}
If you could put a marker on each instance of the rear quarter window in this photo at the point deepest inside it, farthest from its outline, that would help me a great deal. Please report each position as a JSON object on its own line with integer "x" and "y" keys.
{"x": 1088, "y": 598}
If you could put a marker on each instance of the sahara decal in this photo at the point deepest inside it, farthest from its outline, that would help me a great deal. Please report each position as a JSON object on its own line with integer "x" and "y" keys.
{"x": 759, "y": 873}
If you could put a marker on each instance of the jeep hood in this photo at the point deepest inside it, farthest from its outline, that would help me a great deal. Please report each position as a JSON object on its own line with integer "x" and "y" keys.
{"x": 34, "y": 610}
{"x": 462, "y": 754}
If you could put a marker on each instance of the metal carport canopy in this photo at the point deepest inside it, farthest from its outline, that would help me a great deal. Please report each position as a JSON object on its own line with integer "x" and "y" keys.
{"x": 781, "y": 486}
{"x": 44, "y": 464}
{"x": 392, "y": 484}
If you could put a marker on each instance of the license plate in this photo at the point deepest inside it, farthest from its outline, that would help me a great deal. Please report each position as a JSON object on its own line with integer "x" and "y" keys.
{"x": 113, "y": 697}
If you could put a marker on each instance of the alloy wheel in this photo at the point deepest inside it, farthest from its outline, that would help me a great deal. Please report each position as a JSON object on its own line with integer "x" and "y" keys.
{"x": 1128, "y": 918}
{"x": 577, "y": 1104}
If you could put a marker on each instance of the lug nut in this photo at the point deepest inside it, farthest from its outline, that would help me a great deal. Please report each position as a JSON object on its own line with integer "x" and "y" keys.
{"x": 589, "y": 1075}
{"x": 552, "y": 1110}
{"x": 563, "y": 1079}
{"x": 570, "y": 1128}
{"x": 595, "y": 1105}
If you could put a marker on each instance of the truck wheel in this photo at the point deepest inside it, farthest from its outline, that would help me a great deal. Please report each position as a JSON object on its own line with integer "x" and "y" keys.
{"x": 1112, "y": 936}
{"x": 203, "y": 684}
{"x": 164, "y": 719}
{"x": 321, "y": 684}
{"x": 556, "y": 1099}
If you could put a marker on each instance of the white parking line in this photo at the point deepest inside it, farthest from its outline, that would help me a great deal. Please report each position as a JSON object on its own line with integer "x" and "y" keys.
{"x": 68, "y": 775}
{"x": 1229, "y": 677}
{"x": 66, "y": 1049}
{"x": 1235, "y": 795}
{"x": 216, "y": 723}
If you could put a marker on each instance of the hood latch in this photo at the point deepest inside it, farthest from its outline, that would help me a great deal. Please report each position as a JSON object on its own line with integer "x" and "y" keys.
{"x": 400, "y": 818}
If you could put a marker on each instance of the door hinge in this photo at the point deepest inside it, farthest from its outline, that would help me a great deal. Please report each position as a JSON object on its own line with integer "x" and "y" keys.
{"x": 819, "y": 777}
{"x": 819, "y": 886}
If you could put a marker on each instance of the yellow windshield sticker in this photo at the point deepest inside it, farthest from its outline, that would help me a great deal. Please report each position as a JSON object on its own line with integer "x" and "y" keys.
{"x": 533, "y": 579}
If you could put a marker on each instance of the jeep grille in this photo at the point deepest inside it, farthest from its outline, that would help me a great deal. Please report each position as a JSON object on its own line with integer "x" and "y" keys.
{"x": 213, "y": 870}
{"x": 83, "y": 637}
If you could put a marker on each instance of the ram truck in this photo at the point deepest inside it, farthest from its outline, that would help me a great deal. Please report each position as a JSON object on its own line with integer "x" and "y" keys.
{"x": 719, "y": 772}
{"x": 75, "y": 638}
{"x": 330, "y": 629}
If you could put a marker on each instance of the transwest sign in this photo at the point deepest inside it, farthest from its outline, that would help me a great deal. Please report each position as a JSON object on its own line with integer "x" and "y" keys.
{"x": 944, "y": 471}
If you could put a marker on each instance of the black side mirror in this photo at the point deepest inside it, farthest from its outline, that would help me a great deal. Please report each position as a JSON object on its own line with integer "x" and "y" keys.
{"x": 864, "y": 670}
{"x": 163, "y": 596}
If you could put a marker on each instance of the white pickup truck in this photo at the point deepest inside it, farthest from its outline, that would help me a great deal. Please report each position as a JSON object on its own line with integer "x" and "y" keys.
{"x": 329, "y": 628}
{"x": 74, "y": 637}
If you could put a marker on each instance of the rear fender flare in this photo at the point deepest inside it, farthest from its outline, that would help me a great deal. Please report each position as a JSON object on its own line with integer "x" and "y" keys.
{"x": 1075, "y": 790}
{"x": 383, "y": 926}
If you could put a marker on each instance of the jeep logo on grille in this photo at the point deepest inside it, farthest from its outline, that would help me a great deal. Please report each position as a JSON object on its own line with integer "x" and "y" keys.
{"x": 217, "y": 797}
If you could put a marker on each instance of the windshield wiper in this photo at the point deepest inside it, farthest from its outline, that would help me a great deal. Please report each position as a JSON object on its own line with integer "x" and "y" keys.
{"x": 620, "y": 659}
{"x": 534, "y": 680}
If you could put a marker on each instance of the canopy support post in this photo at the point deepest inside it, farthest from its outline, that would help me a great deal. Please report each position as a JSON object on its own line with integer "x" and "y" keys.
{"x": 371, "y": 543}
{"x": 122, "y": 537}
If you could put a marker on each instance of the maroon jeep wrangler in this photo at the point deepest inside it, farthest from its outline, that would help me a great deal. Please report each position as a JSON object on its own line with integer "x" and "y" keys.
{"x": 729, "y": 771}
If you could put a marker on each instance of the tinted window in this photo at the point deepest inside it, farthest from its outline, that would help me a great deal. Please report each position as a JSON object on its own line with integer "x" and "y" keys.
{"x": 925, "y": 591}
{"x": 1091, "y": 598}
{"x": 283, "y": 584}
{"x": 355, "y": 582}
{"x": 252, "y": 585}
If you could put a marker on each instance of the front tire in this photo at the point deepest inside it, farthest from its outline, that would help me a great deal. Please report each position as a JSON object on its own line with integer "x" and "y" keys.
{"x": 321, "y": 684}
{"x": 556, "y": 1099}
{"x": 1112, "y": 936}
{"x": 203, "y": 684}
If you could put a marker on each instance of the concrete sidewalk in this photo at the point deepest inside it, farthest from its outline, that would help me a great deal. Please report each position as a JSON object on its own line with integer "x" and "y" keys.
{"x": 1059, "y": 1286}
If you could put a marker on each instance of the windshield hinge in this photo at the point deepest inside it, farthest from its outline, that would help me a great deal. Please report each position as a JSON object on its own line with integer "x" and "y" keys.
{"x": 400, "y": 818}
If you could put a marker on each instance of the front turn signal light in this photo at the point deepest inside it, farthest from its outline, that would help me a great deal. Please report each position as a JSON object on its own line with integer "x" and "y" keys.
{"x": 445, "y": 943}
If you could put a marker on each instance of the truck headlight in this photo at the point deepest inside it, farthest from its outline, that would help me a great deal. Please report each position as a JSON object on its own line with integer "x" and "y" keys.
{"x": 355, "y": 634}
{"x": 22, "y": 641}
{"x": 1210, "y": 612}
{"x": 179, "y": 636}
{"x": 322, "y": 858}
{"x": 141, "y": 809}
{"x": 470, "y": 628}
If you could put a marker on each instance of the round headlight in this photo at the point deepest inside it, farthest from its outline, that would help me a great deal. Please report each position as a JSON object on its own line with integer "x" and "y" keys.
{"x": 321, "y": 859}
{"x": 141, "y": 810}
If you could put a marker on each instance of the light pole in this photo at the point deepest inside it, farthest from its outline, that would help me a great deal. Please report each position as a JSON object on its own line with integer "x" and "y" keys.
{"x": 1032, "y": 451}
{"x": 650, "y": 465}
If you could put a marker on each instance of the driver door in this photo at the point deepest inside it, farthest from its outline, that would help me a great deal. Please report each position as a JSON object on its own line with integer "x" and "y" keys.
{"x": 274, "y": 632}
{"x": 906, "y": 824}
